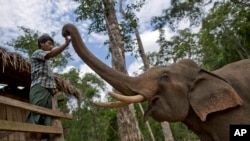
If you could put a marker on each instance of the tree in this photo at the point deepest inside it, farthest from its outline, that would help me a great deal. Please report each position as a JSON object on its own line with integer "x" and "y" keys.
{"x": 183, "y": 45}
{"x": 190, "y": 11}
{"x": 224, "y": 36}
{"x": 100, "y": 12}
{"x": 131, "y": 18}
{"x": 222, "y": 28}
{"x": 89, "y": 122}
{"x": 241, "y": 2}
{"x": 127, "y": 122}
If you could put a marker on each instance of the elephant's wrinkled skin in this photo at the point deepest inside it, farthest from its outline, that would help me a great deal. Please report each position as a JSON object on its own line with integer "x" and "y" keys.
{"x": 207, "y": 102}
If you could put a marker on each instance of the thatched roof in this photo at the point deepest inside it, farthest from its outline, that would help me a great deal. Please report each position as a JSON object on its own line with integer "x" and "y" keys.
{"x": 15, "y": 70}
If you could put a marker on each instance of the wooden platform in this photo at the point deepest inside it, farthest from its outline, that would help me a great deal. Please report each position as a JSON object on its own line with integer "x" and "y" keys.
{"x": 13, "y": 116}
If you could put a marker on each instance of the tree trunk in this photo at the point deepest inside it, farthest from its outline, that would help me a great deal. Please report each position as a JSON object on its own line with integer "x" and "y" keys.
{"x": 127, "y": 122}
{"x": 165, "y": 125}
{"x": 167, "y": 131}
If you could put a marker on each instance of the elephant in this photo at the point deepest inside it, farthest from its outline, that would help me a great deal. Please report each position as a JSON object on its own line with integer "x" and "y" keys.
{"x": 207, "y": 102}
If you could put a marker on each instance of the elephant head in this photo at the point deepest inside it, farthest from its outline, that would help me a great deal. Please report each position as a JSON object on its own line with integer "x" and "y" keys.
{"x": 171, "y": 91}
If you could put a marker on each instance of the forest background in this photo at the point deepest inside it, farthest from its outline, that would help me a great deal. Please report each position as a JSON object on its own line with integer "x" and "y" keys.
{"x": 212, "y": 33}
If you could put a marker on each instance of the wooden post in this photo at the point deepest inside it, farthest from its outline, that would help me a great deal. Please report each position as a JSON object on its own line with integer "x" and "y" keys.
{"x": 56, "y": 122}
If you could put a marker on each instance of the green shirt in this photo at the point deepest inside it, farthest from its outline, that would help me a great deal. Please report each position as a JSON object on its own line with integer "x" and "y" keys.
{"x": 41, "y": 72}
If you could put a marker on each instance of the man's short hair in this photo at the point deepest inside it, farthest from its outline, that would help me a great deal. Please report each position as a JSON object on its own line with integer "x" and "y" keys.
{"x": 44, "y": 38}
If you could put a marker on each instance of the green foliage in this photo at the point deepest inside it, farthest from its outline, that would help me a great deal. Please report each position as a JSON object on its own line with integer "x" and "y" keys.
{"x": 224, "y": 36}
{"x": 112, "y": 128}
{"x": 90, "y": 85}
{"x": 156, "y": 127}
{"x": 181, "y": 132}
{"x": 27, "y": 44}
{"x": 89, "y": 122}
{"x": 93, "y": 12}
{"x": 193, "y": 10}
{"x": 183, "y": 45}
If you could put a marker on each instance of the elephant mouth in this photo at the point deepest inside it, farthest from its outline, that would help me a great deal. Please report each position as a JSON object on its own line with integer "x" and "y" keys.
{"x": 158, "y": 110}
{"x": 155, "y": 110}
{"x": 151, "y": 109}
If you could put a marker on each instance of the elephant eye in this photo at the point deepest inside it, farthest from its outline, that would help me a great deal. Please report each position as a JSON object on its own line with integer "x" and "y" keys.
{"x": 164, "y": 77}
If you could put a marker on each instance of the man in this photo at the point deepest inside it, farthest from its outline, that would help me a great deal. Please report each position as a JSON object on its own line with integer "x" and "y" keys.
{"x": 43, "y": 85}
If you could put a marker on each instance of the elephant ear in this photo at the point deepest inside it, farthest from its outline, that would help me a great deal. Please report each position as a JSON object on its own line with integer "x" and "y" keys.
{"x": 210, "y": 93}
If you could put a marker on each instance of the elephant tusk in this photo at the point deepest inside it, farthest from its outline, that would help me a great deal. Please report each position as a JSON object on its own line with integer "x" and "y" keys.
{"x": 127, "y": 99}
{"x": 117, "y": 104}
{"x": 122, "y": 100}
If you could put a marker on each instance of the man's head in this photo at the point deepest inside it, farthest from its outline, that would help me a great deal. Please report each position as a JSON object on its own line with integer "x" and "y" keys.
{"x": 45, "y": 39}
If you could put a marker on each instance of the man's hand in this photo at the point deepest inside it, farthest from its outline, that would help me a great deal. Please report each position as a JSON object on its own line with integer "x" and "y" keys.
{"x": 58, "y": 50}
{"x": 67, "y": 41}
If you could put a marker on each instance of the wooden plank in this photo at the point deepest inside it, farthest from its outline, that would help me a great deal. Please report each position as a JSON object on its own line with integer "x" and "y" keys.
{"x": 24, "y": 114}
{"x": 31, "y": 107}
{"x": 10, "y": 118}
{"x": 4, "y": 134}
{"x": 5, "y": 138}
{"x": 25, "y": 127}
{"x": 23, "y": 119}
{"x": 2, "y": 111}
{"x": 56, "y": 122}
{"x": 15, "y": 118}
{"x": 20, "y": 119}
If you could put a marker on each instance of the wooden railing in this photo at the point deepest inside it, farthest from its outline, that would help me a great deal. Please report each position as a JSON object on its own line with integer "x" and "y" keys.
{"x": 15, "y": 126}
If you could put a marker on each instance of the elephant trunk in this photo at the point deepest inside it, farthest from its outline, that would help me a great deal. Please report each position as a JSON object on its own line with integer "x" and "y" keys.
{"x": 118, "y": 80}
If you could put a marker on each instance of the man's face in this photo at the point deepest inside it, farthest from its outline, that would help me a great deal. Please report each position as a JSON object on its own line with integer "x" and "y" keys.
{"x": 47, "y": 46}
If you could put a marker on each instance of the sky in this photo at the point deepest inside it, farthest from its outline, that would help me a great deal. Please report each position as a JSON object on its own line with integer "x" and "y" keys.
{"x": 48, "y": 16}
